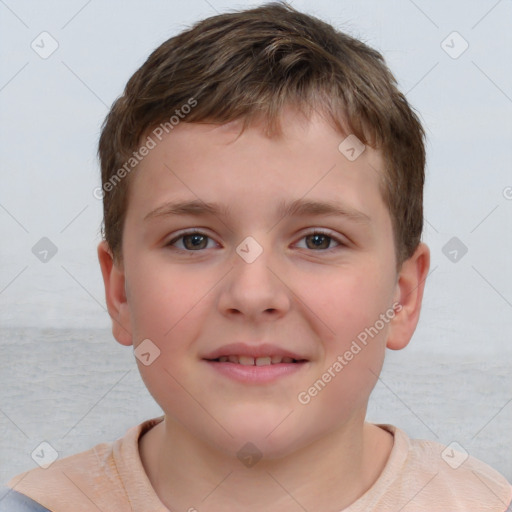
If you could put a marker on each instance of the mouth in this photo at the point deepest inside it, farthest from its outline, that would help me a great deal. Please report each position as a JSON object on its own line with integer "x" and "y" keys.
{"x": 254, "y": 364}
{"x": 256, "y": 361}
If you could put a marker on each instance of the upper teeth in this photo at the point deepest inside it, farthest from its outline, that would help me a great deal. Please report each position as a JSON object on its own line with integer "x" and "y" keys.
{"x": 258, "y": 361}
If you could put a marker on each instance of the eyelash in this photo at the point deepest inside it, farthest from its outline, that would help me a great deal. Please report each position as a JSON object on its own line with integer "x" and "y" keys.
{"x": 319, "y": 231}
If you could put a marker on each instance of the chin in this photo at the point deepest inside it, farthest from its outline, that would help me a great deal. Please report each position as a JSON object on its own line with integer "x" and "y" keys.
{"x": 266, "y": 434}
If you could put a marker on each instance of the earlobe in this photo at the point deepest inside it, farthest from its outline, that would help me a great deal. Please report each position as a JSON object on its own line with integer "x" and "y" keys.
{"x": 409, "y": 293}
{"x": 115, "y": 294}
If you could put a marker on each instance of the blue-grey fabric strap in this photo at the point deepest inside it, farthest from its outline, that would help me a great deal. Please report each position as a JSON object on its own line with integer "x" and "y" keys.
{"x": 14, "y": 501}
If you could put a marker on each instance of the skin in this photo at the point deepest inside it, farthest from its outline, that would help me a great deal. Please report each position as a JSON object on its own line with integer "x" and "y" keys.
{"x": 302, "y": 297}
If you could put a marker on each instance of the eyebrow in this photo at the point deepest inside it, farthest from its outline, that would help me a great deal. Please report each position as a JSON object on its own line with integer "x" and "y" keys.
{"x": 298, "y": 207}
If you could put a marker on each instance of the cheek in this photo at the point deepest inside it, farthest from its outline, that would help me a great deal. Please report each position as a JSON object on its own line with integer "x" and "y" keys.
{"x": 167, "y": 307}
{"x": 361, "y": 333}
{"x": 350, "y": 304}
{"x": 347, "y": 302}
{"x": 163, "y": 300}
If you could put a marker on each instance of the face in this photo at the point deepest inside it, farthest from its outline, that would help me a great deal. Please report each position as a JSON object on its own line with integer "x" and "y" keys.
{"x": 255, "y": 266}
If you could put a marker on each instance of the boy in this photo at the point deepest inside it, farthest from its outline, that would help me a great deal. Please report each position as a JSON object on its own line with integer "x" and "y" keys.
{"x": 262, "y": 180}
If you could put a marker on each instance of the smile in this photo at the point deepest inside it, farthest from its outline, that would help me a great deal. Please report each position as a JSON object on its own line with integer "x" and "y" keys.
{"x": 256, "y": 370}
{"x": 255, "y": 361}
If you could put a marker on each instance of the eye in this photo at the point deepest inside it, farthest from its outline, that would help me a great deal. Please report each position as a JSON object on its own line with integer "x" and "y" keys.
{"x": 197, "y": 241}
{"x": 320, "y": 240}
{"x": 192, "y": 241}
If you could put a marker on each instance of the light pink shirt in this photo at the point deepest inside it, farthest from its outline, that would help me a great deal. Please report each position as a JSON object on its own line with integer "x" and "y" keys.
{"x": 419, "y": 476}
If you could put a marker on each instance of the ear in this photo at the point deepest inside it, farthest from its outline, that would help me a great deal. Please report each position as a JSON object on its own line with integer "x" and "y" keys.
{"x": 115, "y": 294}
{"x": 409, "y": 294}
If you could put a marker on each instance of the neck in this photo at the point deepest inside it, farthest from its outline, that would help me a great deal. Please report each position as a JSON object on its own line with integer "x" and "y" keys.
{"x": 188, "y": 474}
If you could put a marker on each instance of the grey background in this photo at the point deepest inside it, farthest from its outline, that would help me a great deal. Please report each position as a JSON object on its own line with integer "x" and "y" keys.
{"x": 63, "y": 377}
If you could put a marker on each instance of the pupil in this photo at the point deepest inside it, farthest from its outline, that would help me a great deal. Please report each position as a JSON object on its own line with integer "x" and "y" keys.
{"x": 320, "y": 240}
{"x": 195, "y": 240}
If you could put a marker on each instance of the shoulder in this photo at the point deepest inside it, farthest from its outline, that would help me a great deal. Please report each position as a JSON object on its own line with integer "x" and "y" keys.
{"x": 447, "y": 477}
{"x": 69, "y": 479}
{"x": 109, "y": 476}
{"x": 13, "y": 501}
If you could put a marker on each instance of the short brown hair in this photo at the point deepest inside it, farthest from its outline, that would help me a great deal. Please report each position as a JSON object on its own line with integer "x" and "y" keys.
{"x": 252, "y": 63}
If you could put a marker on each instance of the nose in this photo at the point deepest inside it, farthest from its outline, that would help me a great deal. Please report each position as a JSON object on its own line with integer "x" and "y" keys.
{"x": 255, "y": 290}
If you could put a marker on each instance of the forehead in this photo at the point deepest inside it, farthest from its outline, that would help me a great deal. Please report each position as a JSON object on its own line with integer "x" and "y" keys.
{"x": 218, "y": 163}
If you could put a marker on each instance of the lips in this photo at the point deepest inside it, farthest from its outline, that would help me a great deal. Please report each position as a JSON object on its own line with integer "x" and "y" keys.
{"x": 255, "y": 364}
{"x": 253, "y": 355}
{"x": 255, "y": 361}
